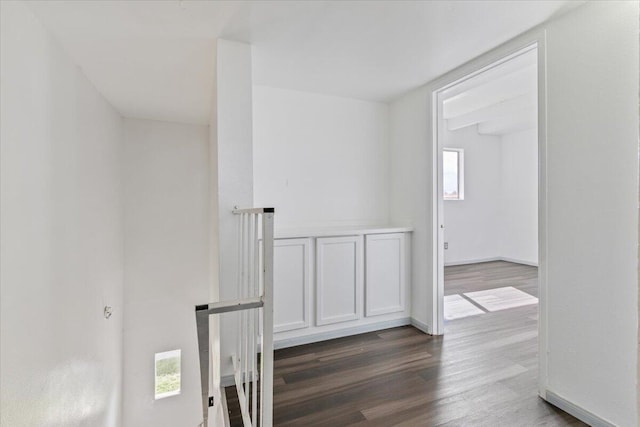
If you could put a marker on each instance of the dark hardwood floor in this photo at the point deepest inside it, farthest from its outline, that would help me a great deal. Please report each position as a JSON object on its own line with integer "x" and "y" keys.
{"x": 489, "y": 275}
{"x": 482, "y": 372}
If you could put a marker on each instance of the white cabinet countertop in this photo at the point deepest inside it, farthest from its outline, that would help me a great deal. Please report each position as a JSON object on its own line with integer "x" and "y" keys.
{"x": 292, "y": 233}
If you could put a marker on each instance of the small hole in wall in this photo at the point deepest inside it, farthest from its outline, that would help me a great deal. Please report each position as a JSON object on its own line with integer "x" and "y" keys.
{"x": 168, "y": 371}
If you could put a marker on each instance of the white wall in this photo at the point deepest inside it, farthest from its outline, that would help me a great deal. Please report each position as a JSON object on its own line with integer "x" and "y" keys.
{"x": 166, "y": 264}
{"x": 319, "y": 159}
{"x": 498, "y": 218}
{"x": 61, "y": 236}
{"x": 592, "y": 171}
{"x": 473, "y": 226}
{"x": 592, "y": 160}
{"x": 519, "y": 179}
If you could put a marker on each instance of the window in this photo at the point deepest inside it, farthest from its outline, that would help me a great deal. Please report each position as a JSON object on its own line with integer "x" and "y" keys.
{"x": 453, "y": 173}
{"x": 167, "y": 374}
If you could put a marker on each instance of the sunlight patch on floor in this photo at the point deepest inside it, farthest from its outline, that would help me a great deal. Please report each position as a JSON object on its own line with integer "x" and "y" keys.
{"x": 457, "y": 307}
{"x": 501, "y": 298}
{"x": 460, "y": 306}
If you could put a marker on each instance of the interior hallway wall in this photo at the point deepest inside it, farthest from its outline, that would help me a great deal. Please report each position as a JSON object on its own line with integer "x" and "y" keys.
{"x": 498, "y": 218}
{"x": 166, "y": 264}
{"x": 519, "y": 179}
{"x": 592, "y": 161}
{"x": 320, "y": 160}
{"x": 592, "y": 169}
{"x": 61, "y": 235}
{"x": 473, "y": 226}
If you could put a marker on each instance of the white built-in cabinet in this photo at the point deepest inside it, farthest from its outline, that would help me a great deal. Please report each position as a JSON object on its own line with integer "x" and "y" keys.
{"x": 339, "y": 279}
{"x": 332, "y": 285}
{"x": 292, "y": 272}
{"x": 385, "y": 273}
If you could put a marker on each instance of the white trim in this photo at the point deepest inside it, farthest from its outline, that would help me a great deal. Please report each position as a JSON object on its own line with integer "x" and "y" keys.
{"x": 167, "y": 394}
{"x": 543, "y": 348}
{"x": 335, "y": 231}
{"x": 423, "y": 327}
{"x": 266, "y": 359}
{"x": 163, "y": 355}
{"x": 340, "y": 333}
{"x": 577, "y": 411}
{"x": 437, "y": 215}
{"x": 525, "y": 42}
{"x": 498, "y": 258}
{"x": 520, "y": 261}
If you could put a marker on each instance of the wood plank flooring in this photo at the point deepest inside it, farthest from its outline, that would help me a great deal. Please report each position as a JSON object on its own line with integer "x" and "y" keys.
{"x": 489, "y": 275}
{"x": 481, "y": 373}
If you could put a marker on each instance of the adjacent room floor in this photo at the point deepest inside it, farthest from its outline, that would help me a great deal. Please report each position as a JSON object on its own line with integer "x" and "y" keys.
{"x": 476, "y": 289}
{"x": 481, "y": 373}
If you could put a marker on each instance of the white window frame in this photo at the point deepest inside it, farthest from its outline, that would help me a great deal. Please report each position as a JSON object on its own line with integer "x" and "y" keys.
{"x": 460, "y": 152}
{"x": 167, "y": 355}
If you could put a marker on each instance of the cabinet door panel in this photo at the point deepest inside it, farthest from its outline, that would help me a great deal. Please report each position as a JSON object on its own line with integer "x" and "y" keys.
{"x": 339, "y": 264}
{"x": 385, "y": 273}
{"x": 291, "y": 284}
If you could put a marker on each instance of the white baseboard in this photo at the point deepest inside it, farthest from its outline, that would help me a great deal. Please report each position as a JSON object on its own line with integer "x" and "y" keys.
{"x": 421, "y": 326}
{"x": 578, "y": 412}
{"x": 519, "y": 261}
{"x": 339, "y": 333}
{"x": 481, "y": 260}
{"x": 471, "y": 261}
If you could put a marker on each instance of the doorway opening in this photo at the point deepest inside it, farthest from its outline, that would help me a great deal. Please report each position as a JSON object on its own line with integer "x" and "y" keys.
{"x": 489, "y": 202}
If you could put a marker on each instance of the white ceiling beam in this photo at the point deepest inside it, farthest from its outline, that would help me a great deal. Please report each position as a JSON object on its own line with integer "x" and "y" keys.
{"x": 500, "y": 89}
{"x": 509, "y": 124}
{"x": 491, "y": 112}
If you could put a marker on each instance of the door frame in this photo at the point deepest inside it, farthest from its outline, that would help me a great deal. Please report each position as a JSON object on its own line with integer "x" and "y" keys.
{"x": 531, "y": 40}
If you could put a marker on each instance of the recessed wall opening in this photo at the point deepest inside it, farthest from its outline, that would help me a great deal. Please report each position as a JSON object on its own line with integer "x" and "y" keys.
{"x": 167, "y": 374}
{"x": 487, "y": 227}
{"x": 493, "y": 118}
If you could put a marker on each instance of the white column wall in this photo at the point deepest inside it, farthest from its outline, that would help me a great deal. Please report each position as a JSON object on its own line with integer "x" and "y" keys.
{"x": 410, "y": 198}
{"x": 234, "y": 144}
{"x": 61, "y": 235}
{"x": 592, "y": 161}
